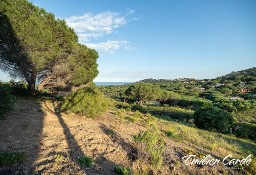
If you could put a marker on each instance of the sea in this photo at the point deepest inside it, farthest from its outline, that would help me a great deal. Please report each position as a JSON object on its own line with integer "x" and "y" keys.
{"x": 111, "y": 83}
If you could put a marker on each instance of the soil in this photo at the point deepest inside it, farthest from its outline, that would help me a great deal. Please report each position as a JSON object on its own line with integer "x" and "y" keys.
{"x": 54, "y": 141}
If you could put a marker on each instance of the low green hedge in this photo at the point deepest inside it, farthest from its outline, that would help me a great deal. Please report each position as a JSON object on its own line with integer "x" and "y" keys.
{"x": 172, "y": 112}
{"x": 245, "y": 130}
{"x": 6, "y": 100}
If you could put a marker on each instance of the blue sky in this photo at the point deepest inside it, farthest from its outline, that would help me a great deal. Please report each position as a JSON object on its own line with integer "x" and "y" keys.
{"x": 162, "y": 38}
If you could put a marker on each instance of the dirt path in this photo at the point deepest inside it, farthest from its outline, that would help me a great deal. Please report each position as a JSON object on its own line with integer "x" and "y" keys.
{"x": 53, "y": 142}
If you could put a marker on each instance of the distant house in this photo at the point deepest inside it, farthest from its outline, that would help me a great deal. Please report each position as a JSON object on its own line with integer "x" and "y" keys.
{"x": 236, "y": 98}
{"x": 244, "y": 90}
{"x": 242, "y": 84}
{"x": 219, "y": 84}
{"x": 202, "y": 89}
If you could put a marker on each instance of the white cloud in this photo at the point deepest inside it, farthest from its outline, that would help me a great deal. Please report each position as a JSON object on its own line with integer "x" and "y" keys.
{"x": 108, "y": 46}
{"x": 85, "y": 37}
{"x": 91, "y": 26}
{"x": 102, "y": 23}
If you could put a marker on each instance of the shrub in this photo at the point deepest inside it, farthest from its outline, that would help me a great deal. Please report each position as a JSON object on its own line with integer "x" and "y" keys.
{"x": 191, "y": 102}
{"x": 245, "y": 130}
{"x": 213, "y": 119}
{"x": 85, "y": 161}
{"x": 138, "y": 114}
{"x": 151, "y": 146}
{"x": 7, "y": 159}
{"x": 6, "y": 100}
{"x": 19, "y": 88}
{"x": 172, "y": 112}
{"x": 173, "y": 134}
{"x": 123, "y": 105}
{"x": 121, "y": 170}
{"x": 140, "y": 108}
{"x": 121, "y": 113}
{"x": 149, "y": 120}
{"x": 87, "y": 101}
{"x": 235, "y": 105}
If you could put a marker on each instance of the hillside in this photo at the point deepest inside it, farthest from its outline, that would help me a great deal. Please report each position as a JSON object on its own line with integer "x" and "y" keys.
{"x": 53, "y": 142}
{"x": 246, "y": 75}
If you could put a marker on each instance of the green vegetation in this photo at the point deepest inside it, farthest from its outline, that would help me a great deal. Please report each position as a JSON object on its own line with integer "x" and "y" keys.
{"x": 143, "y": 92}
{"x": 121, "y": 170}
{"x": 232, "y": 97}
{"x": 7, "y": 159}
{"x": 213, "y": 119}
{"x": 87, "y": 101}
{"x": 168, "y": 112}
{"x": 235, "y": 105}
{"x": 248, "y": 116}
{"x": 245, "y": 130}
{"x": 36, "y": 46}
{"x": 6, "y": 100}
{"x": 85, "y": 161}
{"x": 151, "y": 146}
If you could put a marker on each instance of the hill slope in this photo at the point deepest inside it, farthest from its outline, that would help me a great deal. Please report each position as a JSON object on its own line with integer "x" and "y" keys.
{"x": 53, "y": 141}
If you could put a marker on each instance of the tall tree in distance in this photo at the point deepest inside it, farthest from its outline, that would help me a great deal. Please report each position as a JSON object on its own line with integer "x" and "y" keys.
{"x": 33, "y": 44}
{"x": 144, "y": 92}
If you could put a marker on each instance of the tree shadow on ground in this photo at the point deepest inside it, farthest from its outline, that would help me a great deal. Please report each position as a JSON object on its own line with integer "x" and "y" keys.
{"x": 21, "y": 132}
{"x": 115, "y": 137}
{"x": 101, "y": 164}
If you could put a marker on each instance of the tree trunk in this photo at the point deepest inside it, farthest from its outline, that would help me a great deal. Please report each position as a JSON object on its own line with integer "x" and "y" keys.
{"x": 32, "y": 85}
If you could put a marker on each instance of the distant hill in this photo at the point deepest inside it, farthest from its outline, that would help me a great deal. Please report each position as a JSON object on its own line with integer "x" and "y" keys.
{"x": 247, "y": 75}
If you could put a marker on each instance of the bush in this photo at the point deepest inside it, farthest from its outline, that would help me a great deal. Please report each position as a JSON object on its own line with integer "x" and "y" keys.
{"x": 172, "y": 112}
{"x": 19, "y": 88}
{"x": 7, "y": 159}
{"x": 235, "y": 105}
{"x": 245, "y": 130}
{"x": 121, "y": 170}
{"x": 191, "y": 102}
{"x": 151, "y": 146}
{"x": 123, "y": 105}
{"x": 85, "y": 161}
{"x": 141, "y": 108}
{"x": 6, "y": 100}
{"x": 213, "y": 119}
{"x": 87, "y": 101}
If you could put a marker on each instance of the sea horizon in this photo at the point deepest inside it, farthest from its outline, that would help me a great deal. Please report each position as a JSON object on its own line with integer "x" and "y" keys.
{"x": 111, "y": 83}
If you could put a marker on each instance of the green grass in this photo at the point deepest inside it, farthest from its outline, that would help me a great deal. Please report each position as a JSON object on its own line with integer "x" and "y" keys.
{"x": 85, "y": 161}
{"x": 121, "y": 170}
{"x": 7, "y": 159}
{"x": 216, "y": 144}
{"x": 151, "y": 146}
{"x": 223, "y": 143}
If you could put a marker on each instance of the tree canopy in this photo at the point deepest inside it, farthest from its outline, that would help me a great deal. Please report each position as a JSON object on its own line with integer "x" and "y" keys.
{"x": 144, "y": 92}
{"x": 34, "y": 45}
{"x": 213, "y": 119}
